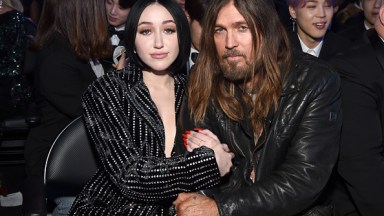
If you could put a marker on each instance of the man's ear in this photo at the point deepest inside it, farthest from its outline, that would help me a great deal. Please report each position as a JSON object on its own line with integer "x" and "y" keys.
{"x": 335, "y": 9}
{"x": 292, "y": 12}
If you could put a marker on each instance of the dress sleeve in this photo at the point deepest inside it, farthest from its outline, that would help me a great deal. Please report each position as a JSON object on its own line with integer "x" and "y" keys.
{"x": 137, "y": 175}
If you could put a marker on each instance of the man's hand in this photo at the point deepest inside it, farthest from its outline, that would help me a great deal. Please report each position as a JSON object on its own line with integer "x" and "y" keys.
{"x": 193, "y": 204}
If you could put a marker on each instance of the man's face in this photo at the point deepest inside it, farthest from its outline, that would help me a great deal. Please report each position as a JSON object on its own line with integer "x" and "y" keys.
{"x": 313, "y": 19}
{"x": 234, "y": 45}
{"x": 371, "y": 10}
{"x": 116, "y": 15}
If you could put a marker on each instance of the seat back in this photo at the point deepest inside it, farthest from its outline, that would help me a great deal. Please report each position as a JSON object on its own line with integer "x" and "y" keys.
{"x": 71, "y": 161}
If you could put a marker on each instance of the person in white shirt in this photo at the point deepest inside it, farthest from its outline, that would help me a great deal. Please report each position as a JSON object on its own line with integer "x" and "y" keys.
{"x": 117, "y": 12}
{"x": 195, "y": 11}
{"x": 310, "y": 33}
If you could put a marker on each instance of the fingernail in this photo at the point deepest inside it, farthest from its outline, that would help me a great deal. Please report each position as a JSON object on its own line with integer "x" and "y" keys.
{"x": 188, "y": 132}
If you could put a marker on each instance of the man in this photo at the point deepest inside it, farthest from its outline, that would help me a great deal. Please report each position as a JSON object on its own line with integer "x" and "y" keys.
{"x": 361, "y": 161}
{"x": 195, "y": 11}
{"x": 311, "y": 33}
{"x": 279, "y": 115}
{"x": 358, "y": 23}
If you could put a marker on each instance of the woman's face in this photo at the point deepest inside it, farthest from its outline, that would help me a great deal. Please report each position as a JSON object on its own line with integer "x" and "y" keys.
{"x": 156, "y": 41}
{"x": 115, "y": 13}
{"x": 313, "y": 19}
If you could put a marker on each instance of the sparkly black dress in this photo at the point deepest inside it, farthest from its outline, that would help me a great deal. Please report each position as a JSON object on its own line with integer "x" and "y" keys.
{"x": 14, "y": 89}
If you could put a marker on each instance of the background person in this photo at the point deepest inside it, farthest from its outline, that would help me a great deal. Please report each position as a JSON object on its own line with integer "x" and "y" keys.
{"x": 117, "y": 12}
{"x": 361, "y": 162}
{"x": 312, "y": 21}
{"x": 15, "y": 89}
{"x": 67, "y": 53}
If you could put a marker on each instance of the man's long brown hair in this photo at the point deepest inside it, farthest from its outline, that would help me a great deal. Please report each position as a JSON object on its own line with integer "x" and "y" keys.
{"x": 271, "y": 60}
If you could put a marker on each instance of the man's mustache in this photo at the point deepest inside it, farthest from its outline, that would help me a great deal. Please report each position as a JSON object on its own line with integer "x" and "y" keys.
{"x": 230, "y": 53}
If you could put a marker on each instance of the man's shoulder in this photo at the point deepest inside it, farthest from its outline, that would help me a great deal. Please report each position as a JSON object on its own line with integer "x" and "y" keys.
{"x": 306, "y": 68}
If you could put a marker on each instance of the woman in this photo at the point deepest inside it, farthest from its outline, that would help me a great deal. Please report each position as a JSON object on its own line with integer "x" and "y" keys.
{"x": 310, "y": 33}
{"x": 195, "y": 10}
{"x": 130, "y": 116}
{"x": 67, "y": 53}
{"x": 14, "y": 89}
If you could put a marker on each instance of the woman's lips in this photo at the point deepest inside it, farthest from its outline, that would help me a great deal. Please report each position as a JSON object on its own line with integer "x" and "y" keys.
{"x": 159, "y": 55}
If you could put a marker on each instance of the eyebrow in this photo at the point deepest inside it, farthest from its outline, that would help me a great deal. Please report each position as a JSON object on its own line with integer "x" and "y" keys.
{"x": 151, "y": 23}
{"x": 233, "y": 24}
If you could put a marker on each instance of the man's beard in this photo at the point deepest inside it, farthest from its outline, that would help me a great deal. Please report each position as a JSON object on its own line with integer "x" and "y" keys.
{"x": 231, "y": 70}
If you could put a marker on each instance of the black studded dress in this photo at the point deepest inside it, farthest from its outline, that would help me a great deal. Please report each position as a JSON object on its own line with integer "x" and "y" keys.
{"x": 135, "y": 177}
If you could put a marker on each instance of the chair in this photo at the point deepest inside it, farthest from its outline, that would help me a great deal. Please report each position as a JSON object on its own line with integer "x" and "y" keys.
{"x": 13, "y": 135}
{"x": 71, "y": 162}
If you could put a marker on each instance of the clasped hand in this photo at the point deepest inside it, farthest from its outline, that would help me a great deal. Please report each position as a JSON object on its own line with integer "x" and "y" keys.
{"x": 199, "y": 137}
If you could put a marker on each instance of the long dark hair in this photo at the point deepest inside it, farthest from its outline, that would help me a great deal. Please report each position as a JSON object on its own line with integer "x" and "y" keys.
{"x": 127, "y": 3}
{"x": 271, "y": 58}
{"x": 82, "y": 22}
{"x": 196, "y": 9}
{"x": 182, "y": 28}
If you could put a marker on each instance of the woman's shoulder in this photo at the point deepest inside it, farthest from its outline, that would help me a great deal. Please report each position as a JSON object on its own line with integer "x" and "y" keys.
{"x": 128, "y": 76}
{"x": 56, "y": 47}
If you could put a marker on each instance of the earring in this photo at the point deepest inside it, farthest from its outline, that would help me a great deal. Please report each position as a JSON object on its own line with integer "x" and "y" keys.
{"x": 293, "y": 20}
{"x": 1, "y": 4}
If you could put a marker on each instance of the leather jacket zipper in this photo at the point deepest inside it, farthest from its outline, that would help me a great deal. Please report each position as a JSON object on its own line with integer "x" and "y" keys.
{"x": 258, "y": 147}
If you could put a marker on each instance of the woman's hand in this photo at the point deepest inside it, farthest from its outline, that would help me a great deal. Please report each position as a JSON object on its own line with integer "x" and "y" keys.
{"x": 199, "y": 137}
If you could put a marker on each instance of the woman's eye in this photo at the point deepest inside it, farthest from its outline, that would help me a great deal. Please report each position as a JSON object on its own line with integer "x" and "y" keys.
{"x": 169, "y": 30}
{"x": 145, "y": 32}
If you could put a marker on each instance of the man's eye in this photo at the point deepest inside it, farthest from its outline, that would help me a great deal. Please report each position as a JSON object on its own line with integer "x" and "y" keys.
{"x": 311, "y": 6}
{"x": 218, "y": 30}
{"x": 243, "y": 28}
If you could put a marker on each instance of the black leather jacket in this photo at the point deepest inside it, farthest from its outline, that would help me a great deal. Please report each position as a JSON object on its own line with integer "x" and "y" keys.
{"x": 295, "y": 155}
